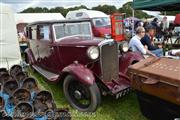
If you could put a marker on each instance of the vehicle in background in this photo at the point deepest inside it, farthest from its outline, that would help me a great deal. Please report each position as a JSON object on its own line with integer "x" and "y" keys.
{"x": 100, "y": 22}
{"x": 10, "y": 51}
{"x": 177, "y": 30}
{"x": 118, "y": 27}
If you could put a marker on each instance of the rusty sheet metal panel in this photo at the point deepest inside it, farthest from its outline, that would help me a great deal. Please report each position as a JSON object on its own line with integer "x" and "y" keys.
{"x": 159, "y": 77}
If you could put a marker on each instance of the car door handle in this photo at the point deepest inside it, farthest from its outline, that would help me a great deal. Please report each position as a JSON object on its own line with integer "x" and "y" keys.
{"x": 51, "y": 48}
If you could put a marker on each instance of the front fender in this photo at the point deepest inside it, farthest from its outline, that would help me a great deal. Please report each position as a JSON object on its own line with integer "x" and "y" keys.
{"x": 82, "y": 73}
{"x": 29, "y": 56}
{"x": 127, "y": 59}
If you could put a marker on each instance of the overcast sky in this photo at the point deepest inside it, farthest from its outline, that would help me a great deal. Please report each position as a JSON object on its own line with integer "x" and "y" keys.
{"x": 19, "y": 5}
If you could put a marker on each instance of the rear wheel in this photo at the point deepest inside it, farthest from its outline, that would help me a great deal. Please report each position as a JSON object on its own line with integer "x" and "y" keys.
{"x": 84, "y": 98}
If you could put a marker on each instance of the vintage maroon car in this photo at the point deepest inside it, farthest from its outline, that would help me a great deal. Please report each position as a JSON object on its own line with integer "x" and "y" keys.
{"x": 88, "y": 67}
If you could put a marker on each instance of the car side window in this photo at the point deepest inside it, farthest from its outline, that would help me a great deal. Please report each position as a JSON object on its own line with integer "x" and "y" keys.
{"x": 33, "y": 33}
{"x": 44, "y": 32}
{"x": 29, "y": 32}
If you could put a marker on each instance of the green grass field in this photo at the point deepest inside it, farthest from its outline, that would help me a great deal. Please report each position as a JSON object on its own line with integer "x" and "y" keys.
{"x": 125, "y": 108}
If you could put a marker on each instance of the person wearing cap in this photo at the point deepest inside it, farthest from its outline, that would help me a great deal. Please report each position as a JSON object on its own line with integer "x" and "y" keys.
{"x": 147, "y": 40}
{"x": 135, "y": 42}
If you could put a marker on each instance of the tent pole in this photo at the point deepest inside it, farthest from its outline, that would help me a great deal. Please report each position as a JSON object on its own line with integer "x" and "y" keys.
{"x": 133, "y": 22}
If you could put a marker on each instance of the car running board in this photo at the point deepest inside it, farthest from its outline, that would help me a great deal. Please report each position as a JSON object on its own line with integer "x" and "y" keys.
{"x": 48, "y": 75}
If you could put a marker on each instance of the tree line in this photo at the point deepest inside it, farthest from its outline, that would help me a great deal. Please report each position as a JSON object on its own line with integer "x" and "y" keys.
{"x": 108, "y": 9}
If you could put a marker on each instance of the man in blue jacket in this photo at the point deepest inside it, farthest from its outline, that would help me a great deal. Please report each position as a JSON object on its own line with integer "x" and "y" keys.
{"x": 147, "y": 41}
{"x": 135, "y": 42}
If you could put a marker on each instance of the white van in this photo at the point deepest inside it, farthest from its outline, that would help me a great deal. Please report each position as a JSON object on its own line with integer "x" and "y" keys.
{"x": 9, "y": 45}
{"x": 100, "y": 22}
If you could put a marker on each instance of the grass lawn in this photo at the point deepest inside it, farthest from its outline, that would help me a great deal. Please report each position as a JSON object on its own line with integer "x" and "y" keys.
{"x": 126, "y": 108}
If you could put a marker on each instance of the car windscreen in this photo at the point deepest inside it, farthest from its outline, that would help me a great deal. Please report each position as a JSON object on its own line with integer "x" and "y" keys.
{"x": 101, "y": 22}
{"x": 72, "y": 29}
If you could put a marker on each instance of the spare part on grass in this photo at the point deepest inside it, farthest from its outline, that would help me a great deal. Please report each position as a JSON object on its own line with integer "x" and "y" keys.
{"x": 21, "y": 95}
{"x": 4, "y": 77}
{"x": 15, "y": 69}
{"x": 20, "y": 76}
{"x": 43, "y": 101}
{"x": 23, "y": 110}
{"x": 30, "y": 84}
{"x": 10, "y": 87}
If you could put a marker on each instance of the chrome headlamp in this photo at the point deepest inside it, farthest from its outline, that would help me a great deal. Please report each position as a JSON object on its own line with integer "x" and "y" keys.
{"x": 124, "y": 46}
{"x": 93, "y": 52}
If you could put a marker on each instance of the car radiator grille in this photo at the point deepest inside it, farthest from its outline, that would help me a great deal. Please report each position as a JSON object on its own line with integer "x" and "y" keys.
{"x": 109, "y": 61}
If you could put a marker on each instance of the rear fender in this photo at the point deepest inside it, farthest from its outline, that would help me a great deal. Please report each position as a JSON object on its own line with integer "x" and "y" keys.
{"x": 127, "y": 59}
{"x": 82, "y": 73}
{"x": 29, "y": 55}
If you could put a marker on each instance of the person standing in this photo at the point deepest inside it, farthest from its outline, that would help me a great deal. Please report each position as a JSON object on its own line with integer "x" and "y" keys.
{"x": 135, "y": 42}
{"x": 165, "y": 23}
{"x": 155, "y": 23}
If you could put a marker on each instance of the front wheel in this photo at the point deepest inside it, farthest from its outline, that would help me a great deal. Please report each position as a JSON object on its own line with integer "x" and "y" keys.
{"x": 84, "y": 98}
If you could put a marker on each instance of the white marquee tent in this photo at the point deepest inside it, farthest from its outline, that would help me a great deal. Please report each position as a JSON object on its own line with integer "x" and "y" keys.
{"x": 33, "y": 17}
{"x": 9, "y": 45}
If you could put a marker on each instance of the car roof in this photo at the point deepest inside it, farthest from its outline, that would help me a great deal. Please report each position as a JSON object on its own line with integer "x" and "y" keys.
{"x": 59, "y": 21}
{"x": 85, "y": 14}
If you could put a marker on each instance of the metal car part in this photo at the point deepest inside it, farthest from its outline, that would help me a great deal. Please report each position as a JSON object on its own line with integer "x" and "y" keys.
{"x": 4, "y": 77}
{"x": 30, "y": 84}
{"x": 15, "y": 69}
{"x": 93, "y": 52}
{"x": 109, "y": 61}
{"x": 42, "y": 102}
{"x": 10, "y": 87}
{"x": 123, "y": 46}
{"x": 21, "y": 95}
{"x": 20, "y": 76}
{"x": 22, "y": 110}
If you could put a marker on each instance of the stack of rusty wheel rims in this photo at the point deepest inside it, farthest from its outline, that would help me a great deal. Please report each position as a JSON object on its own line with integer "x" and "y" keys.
{"x": 21, "y": 99}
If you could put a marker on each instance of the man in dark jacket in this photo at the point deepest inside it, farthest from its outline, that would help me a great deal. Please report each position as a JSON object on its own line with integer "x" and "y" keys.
{"x": 147, "y": 41}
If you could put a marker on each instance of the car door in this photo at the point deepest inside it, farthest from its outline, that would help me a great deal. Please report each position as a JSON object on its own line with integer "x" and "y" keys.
{"x": 33, "y": 42}
{"x": 47, "y": 53}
